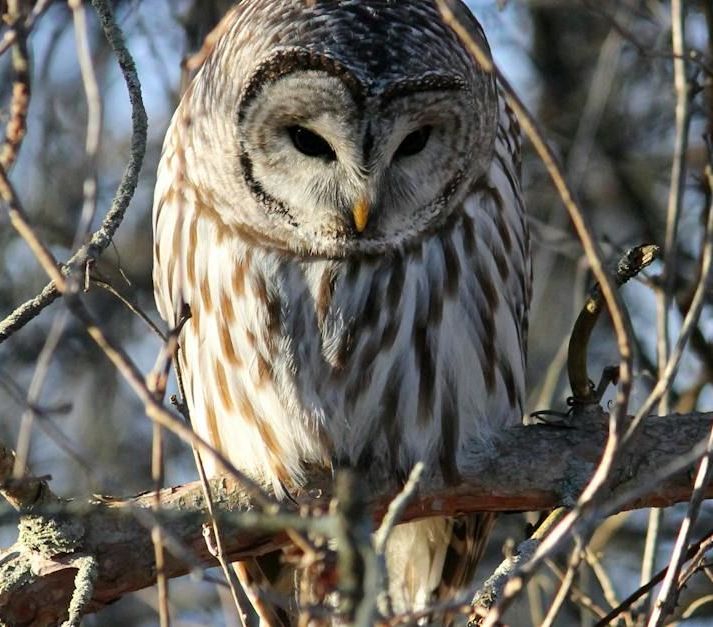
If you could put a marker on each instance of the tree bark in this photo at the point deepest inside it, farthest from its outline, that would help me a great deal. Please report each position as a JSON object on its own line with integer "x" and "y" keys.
{"x": 529, "y": 468}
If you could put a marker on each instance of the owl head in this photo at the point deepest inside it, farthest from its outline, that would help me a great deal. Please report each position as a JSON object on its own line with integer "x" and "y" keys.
{"x": 338, "y": 128}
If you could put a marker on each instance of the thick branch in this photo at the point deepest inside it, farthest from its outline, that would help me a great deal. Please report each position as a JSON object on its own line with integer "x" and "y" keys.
{"x": 530, "y": 468}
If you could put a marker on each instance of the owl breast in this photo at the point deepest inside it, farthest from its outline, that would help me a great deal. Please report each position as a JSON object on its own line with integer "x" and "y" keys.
{"x": 375, "y": 361}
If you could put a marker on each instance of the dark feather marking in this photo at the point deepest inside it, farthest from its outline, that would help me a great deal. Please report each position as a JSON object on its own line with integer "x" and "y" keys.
{"x": 488, "y": 287}
{"x": 192, "y": 246}
{"x": 509, "y": 379}
{"x": 212, "y": 423}
{"x": 352, "y": 274}
{"x": 450, "y": 257}
{"x": 488, "y": 343}
{"x": 238, "y": 278}
{"x": 226, "y": 342}
{"x": 423, "y": 360}
{"x": 501, "y": 263}
{"x": 324, "y": 295}
{"x": 366, "y": 322}
{"x": 264, "y": 370}
{"x": 427, "y": 373}
{"x": 508, "y": 175}
{"x": 259, "y": 288}
{"x": 227, "y": 311}
{"x": 449, "y": 433}
{"x": 371, "y": 310}
{"x": 342, "y": 352}
{"x": 370, "y": 351}
{"x": 389, "y": 408}
{"x": 206, "y": 296}
{"x": 274, "y": 309}
{"x": 367, "y": 356}
{"x": 223, "y": 387}
{"x": 435, "y": 305}
{"x": 391, "y": 330}
{"x": 396, "y": 284}
{"x": 499, "y": 219}
{"x": 270, "y": 302}
{"x": 468, "y": 237}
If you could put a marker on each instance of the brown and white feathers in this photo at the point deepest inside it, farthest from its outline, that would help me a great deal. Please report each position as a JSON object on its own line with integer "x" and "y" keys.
{"x": 338, "y": 202}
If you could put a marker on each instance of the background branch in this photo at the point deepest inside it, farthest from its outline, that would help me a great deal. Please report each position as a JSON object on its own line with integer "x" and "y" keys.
{"x": 558, "y": 465}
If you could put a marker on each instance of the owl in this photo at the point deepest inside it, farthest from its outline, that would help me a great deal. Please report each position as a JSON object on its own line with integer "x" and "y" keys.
{"x": 338, "y": 203}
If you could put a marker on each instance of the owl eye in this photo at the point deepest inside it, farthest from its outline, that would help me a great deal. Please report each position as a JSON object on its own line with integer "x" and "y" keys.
{"x": 311, "y": 144}
{"x": 413, "y": 143}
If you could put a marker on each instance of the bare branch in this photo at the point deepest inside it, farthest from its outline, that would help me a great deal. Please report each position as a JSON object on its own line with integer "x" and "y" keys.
{"x": 593, "y": 491}
{"x": 559, "y": 463}
{"x": 17, "y": 124}
{"x": 103, "y": 236}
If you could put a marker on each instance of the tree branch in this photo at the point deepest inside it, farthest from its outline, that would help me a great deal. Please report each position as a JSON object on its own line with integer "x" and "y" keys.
{"x": 103, "y": 236}
{"x": 55, "y": 535}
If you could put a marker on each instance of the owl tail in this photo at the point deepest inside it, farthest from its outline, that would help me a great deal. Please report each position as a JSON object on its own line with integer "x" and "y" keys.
{"x": 468, "y": 540}
{"x": 428, "y": 561}
{"x": 434, "y": 560}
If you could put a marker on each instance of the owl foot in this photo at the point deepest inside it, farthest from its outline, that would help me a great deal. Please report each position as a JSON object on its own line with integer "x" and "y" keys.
{"x": 552, "y": 418}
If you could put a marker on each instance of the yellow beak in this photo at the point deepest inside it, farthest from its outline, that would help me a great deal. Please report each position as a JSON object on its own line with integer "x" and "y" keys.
{"x": 360, "y": 211}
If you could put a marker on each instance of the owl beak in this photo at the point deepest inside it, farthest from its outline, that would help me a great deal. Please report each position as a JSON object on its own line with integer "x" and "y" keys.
{"x": 360, "y": 211}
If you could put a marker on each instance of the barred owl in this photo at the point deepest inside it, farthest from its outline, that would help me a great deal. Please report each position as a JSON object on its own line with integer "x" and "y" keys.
{"x": 338, "y": 202}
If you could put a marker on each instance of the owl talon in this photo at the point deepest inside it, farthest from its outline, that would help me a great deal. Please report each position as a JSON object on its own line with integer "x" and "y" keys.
{"x": 552, "y": 418}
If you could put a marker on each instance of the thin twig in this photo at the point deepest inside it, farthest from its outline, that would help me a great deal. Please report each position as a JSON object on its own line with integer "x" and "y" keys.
{"x": 677, "y": 187}
{"x": 611, "y": 298}
{"x": 156, "y": 382}
{"x": 693, "y": 55}
{"x": 219, "y": 553}
{"x": 578, "y": 159}
{"x": 155, "y": 411}
{"x": 34, "y": 392}
{"x": 651, "y": 542}
{"x": 231, "y": 574}
{"x": 690, "y": 322}
{"x": 667, "y": 596}
{"x": 566, "y": 585}
{"x": 94, "y": 119}
{"x": 668, "y": 275}
{"x": 650, "y": 585}
{"x": 381, "y": 536}
{"x": 131, "y": 306}
{"x": 397, "y": 508}
{"x": 10, "y": 37}
{"x": 495, "y": 586}
{"x": 695, "y": 605}
{"x": 698, "y": 562}
{"x": 18, "y": 219}
{"x": 19, "y": 104}
{"x": 602, "y": 577}
{"x": 157, "y": 474}
{"x": 576, "y": 594}
{"x": 90, "y": 186}
{"x": 102, "y": 237}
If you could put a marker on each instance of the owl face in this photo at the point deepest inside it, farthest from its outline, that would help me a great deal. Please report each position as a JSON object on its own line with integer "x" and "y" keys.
{"x": 344, "y": 172}
{"x": 360, "y": 126}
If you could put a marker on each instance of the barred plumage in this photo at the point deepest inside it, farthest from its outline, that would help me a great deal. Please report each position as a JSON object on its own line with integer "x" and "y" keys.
{"x": 310, "y": 341}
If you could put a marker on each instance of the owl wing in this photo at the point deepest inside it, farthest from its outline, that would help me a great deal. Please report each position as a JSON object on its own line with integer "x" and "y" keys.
{"x": 502, "y": 200}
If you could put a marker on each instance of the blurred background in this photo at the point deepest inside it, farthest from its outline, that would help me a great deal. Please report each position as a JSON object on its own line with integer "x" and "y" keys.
{"x": 599, "y": 78}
